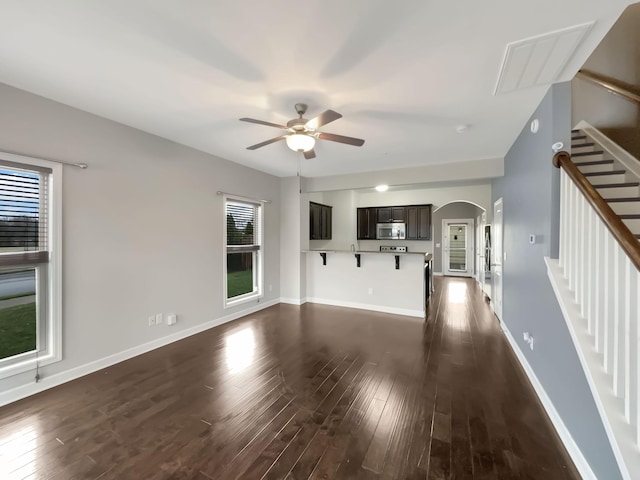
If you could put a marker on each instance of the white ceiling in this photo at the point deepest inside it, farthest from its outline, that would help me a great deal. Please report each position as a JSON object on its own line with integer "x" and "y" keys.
{"x": 404, "y": 74}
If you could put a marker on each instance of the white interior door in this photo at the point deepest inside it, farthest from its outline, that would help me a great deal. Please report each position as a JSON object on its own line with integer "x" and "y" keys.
{"x": 498, "y": 256}
{"x": 457, "y": 239}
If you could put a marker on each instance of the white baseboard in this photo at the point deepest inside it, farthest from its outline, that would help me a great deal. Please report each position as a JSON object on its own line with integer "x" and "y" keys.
{"x": 565, "y": 436}
{"x": 438, "y": 274}
{"x": 364, "y": 306}
{"x": 48, "y": 382}
{"x": 293, "y": 301}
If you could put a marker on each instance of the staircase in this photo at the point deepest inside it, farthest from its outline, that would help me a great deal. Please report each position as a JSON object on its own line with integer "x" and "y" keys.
{"x": 619, "y": 187}
{"x": 597, "y": 280}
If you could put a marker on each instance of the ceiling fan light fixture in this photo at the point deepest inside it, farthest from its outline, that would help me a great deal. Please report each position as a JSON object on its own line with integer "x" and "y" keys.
{"x": 300, "y": 142}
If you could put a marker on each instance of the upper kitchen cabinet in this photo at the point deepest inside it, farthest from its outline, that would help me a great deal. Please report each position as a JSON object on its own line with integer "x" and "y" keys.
{"x": 320, "y": 217}
{"x": 419, "y": 222}
{"x": 367, "y": 218}
{"x": 391, "y": 214}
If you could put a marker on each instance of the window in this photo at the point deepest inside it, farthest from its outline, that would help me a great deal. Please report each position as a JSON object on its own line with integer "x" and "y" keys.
{"x": 29, "y": 264}
{"x": 242, "y": 256}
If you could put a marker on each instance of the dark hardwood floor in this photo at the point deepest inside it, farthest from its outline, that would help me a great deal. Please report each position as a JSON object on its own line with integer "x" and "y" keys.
{"x": 300, "y": 392}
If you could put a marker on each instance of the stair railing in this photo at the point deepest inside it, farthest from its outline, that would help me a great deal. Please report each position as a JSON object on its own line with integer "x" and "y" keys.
{"x": 600, "y": 261}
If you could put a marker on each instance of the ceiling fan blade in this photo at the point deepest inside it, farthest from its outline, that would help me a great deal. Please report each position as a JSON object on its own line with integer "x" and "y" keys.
{"x": 262, "y": 122}
{"x": 356, "y": 142}
{"x": 309, "y": 155}
{"x": 273, "y": 140}
{"x": 325, "y": 117}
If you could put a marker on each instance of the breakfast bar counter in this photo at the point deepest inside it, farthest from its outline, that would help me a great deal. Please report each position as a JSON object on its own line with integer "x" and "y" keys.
{"x": 391, "y": 282}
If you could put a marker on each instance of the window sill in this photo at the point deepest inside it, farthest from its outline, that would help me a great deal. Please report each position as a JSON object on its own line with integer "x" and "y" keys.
{"x": 243, "y": 299}
{"x": 26, "y": 364}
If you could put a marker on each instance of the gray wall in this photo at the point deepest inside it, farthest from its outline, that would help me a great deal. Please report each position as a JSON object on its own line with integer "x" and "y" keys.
{"x": 142, "y": 227}
{"x": 529, "y": 190}
{"x": 452, "y": 210}
{"x": 617, "y": 57}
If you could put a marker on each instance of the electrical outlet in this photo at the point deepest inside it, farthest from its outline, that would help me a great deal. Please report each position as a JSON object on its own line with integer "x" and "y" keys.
{"x": 151, "y": 320}
{"x": 270, "y": 287}
{"x": 370, "y": 291}
{"x": 158, "y": 319}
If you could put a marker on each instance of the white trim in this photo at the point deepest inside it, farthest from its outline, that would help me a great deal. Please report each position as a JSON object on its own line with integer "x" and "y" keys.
{"x": 293, "y": 301}
{"x": 627, "y": 160}
{"x": 53, "y": 351}
{"x": 470, "y": 233}
{"x": 365, "y": 306}
{"x": 48, "y": 382}
{"x": 438, "y": 274}
{"x": 620, "y": 433}
{"x": 257, "y": 255}
{"x": 565, "y": 436}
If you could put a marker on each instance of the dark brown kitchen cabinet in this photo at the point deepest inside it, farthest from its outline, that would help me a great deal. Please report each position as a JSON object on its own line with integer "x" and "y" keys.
{"x": 367, "y": 223}
{"x": 391, "y": 214}
{"x": 418, "y": 222}
{"x": 320, "y": 217}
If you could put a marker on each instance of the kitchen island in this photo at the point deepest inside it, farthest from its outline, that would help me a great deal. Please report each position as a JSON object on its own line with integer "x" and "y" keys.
{"x": 391, "y": 282}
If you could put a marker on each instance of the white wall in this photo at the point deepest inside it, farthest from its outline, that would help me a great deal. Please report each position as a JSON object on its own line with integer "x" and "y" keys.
{"x": 294, "y": 235}
{"x": 477, "y": 170}
{"x": 376, "y": 285}
{"x": 142, "y": 231}
{"x": 437, "y": 196}
{"x": 343, "y": 222}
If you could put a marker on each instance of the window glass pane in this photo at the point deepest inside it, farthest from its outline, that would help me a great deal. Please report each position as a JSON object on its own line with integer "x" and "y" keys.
{"x": 240, "y": 278}
{"x": 18, "y": 331}
{"x": 241, "y": 219}
{"x": 22, "y": 216}
{"x": 457, "y": 247}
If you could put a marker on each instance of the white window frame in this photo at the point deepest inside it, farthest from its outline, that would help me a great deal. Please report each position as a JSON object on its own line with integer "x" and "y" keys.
{"x": 258, "y": 255}
{"x": 48, "y": 278}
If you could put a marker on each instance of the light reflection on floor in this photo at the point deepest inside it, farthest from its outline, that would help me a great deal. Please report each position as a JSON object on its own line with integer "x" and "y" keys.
{"x": 457, "y": 292}
{"x": 240, "y": 348}
{"x": 18, "y": 453}
{"x": 456, "y": 317}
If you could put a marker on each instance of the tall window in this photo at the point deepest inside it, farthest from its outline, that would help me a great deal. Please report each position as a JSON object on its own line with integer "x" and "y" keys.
{"x": 243, "y": 260}
{"x": 29, "y": 333}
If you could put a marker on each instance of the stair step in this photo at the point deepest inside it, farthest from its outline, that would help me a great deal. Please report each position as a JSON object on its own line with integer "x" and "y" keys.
{"x": 606, "y": 178}
{"x": 582, "y": 148}
{"x": 579, "y": 137}
{"x": 624, "y": 206}
{"x": 593, "y": 162}
{"x": 599, "y": 174}
{"x": 581, "y": 145}
{"x": 620, "y": 190}
{"x": 575, "y": 131}
{"x": 588, "y": 154}
{"x": 595, "y": 166}
{"x": 632, "y": 221}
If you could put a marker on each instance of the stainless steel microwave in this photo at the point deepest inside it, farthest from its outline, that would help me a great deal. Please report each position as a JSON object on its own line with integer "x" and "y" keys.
{"x": 390, "y": 231}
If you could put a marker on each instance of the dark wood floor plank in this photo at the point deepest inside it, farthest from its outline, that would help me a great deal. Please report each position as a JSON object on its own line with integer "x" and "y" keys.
{"x": 301, "y": 392}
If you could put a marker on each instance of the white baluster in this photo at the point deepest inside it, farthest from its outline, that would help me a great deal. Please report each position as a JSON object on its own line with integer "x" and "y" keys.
{"x": 563, "y": 220}
{"x": 601, "y": 283}
{"x": 584, "y": 258}
{"x": 572, "y": 236}
{"x": 629, "y": 332}
{"x": 609, "y": 305}
{"x": 618, "y": 321}
{"x": 636, "y": 342}
{"x": 590, "y": 274}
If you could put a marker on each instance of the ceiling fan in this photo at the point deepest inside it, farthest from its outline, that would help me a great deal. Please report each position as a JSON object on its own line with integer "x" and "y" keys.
{"x": 301, "y": 133}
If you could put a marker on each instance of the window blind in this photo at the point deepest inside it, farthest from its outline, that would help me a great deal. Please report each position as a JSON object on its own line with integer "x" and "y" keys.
{"x": 243, "y": 232}
{"x": 23, "y": 216}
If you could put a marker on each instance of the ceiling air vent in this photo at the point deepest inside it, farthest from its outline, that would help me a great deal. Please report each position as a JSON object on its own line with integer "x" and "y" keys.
{"x": 538, "y": 60}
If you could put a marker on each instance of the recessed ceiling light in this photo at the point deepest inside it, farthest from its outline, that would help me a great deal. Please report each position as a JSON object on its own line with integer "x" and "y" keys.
{"x": 382, "y": 188}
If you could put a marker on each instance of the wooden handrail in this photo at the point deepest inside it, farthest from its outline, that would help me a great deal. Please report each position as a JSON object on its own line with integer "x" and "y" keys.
{"x": 609, "y": 84}
{"x": 628, "y": 242}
